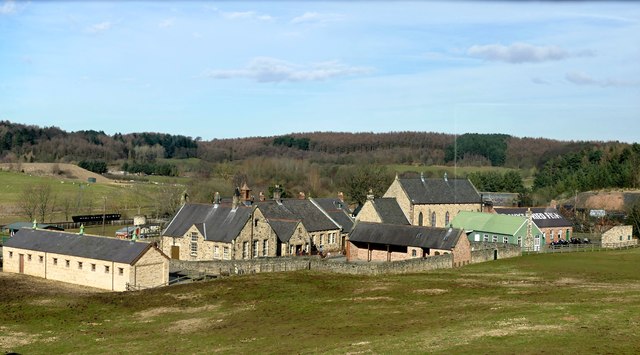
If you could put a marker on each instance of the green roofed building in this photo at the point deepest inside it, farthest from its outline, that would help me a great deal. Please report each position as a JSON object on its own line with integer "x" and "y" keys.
{"x": 495, "y": 228}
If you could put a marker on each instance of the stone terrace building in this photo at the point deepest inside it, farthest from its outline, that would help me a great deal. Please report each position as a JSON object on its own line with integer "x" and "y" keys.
{"x": 325, "y": 233}
{"x": 553, "y": 226}
{"x": 389, "y": 242}
{"x": 434, "y": 202}
{"x": 339, "y": 212}
{"x": 618, "y": 236}
{"x": 101, "y": 262}
{"x": 218, "y": 232}
{"x": 292, "y": 235}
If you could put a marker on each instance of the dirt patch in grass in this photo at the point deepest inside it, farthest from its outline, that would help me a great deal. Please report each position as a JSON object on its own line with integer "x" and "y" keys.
{"x": 431, "y": 291}
{"x": 360, "y": 299}
{"x": 154, "y": 312}
{"x": 191, "y": 325}
{"x": 10, "y": 340}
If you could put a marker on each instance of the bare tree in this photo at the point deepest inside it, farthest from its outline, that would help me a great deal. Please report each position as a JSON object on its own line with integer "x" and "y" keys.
{"x": 28, "y": 202}
{"x": 45, "y": 199}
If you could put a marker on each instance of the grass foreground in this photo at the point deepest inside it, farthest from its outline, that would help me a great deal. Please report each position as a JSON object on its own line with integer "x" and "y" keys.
{"x": 553, "y": 303}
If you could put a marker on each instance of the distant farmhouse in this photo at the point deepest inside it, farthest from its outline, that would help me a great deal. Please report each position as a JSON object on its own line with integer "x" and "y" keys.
{"x": 105, "y": 263}
{"x": 554, "y": 227}
{"x": 434, "y": 202}
{"x": 618, "y": 236}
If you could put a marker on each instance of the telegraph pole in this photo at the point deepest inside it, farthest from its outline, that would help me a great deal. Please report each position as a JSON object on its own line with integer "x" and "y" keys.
{"x": 104, "y": 213}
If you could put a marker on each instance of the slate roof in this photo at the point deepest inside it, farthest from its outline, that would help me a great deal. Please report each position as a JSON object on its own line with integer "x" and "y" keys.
{"x": 412, "y": 236}
{"x": 338, "y": 210}
{"x": 19, "y": 225}
{"x": 440, "y": 191}
{"x": 491, "y": 223}
{"x": 543, "y": 217}
{"x": 284, "y": 229}
{"x": 312, "y": 217}
{"x": 218, "y": 223}
{"x": 389, "y": 210}
{"x": 85, "y": 246}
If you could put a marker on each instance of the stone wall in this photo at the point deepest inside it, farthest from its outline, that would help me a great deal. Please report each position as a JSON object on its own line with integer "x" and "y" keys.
{"x": 239, "y": 267}
{"x": 368, "y": 213}
{"x": 151, "y": 270}
{"x": 483, "y": 251}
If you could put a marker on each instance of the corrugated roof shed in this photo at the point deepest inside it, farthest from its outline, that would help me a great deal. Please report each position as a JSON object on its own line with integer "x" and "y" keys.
{"x": 402, "y": 235}
{"x": 492, "y": 223}
{"x": 85, "y": 246}
{"x": 440, "y": 191}
{"x": 219, "y": 223}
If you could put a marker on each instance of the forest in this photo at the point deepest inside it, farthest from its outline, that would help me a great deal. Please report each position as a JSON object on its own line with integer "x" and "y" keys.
{"x": 323, "y": 163}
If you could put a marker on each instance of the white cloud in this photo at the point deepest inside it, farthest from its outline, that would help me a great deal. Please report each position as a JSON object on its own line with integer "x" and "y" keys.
{"x": 99, "y": 27}
{"x": 584, "y": 79}
{"x": 8, "y": 7}
{"x": 315, "y": 17}
{"x": 246, "y": 15}
{"x": 523, "y": 53}
{"x": 265, "y": 70}
{"x": 166, "y": 23}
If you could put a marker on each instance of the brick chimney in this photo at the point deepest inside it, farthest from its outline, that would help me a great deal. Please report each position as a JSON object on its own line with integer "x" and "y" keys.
{"x": 301, "y": 195}
{"x": 261, "y": 196}
{"x": 341, "y": 196}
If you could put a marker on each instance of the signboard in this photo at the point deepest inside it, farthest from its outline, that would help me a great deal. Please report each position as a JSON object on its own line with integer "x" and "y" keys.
{"x": 597, "y": 213}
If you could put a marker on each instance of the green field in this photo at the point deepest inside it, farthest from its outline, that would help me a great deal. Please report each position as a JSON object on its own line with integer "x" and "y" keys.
{"x": 81, "y": 197}
{"x": 571, "y": 303}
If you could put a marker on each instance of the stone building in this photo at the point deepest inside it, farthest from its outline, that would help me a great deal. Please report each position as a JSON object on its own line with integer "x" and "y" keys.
{"x": 293, "y": 236}
{"x": 101, "y": 262}
{"x": 496, "y": 228}
{"x": 554, "y": 227}
{"x": 391, "y": 242}
{"x": 618, "y": 236}
{"x": 382, "y": 210}
{"x": 339, "y": 212}
{"x": 434, "y": 202}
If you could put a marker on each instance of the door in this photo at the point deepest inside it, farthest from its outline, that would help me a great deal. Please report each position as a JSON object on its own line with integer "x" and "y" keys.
{"x": 22, "y": 263}
{"x": 175, "y": 252}
{"x": 536, "y": 245}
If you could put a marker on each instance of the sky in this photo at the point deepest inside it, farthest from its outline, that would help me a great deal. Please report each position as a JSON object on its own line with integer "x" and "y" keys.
{"x": 566, "y": 70}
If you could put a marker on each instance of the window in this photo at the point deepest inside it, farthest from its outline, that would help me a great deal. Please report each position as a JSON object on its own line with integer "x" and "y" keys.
{"x": 446, "y": 219}
{"x": 321, "y": 239}
{"x": 255, "y": 222}
{"x": 120, "y": 271}
{"x": 620, "y": 238}
{"x": 41, "y": 258}
{"x": 67, "y": 263}
{"x": 11, "y": 254}
{"x": 291, "y": 251}
{"x": 520, "y": 241}
{"x": 437, "y": 253}
{"x": 216, "y": 251}
{"x": 628, "y": 237}
{"x": 505, "y": 240}
{"x": 194, "y": 248}
{"x": 80, "y": 265}
{"x": 494, "y": 238}
{"x": 194, "y": 236}
{"x": 433, "y": 219}
{"x": 414, "y": 253}
{"x": 265, "y": 247}
{"x": 93, "y": 267}
{"x": 485, "y": 238}
{"x": 225, "y": 252}
{"x": 106, "y": 269}
{"x": 551, "y": 234}
{"x": 420, "y": 219}
{"x": 29, "y": 257}
{"x": 256, "y": 244}
{"x": 245, "y": 250}
{"x": 55, "y": 261}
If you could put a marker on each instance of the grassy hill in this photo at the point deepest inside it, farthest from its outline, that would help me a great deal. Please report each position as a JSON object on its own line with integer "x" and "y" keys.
{"x": 561, "y": 303}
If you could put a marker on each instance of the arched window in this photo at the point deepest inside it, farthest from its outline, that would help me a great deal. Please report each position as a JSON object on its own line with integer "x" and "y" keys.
{"x": 446, "y": 219}
{"x": 437, "y": 253}
{"x": 420, "y": 219}
{"x": 433, "y": 219}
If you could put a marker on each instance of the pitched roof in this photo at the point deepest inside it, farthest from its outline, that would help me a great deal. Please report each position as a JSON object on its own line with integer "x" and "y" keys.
{"x": 413, "y": 236}
{"x": 440, "y": 191}
{"x": 389, "y": 210}
{"x": 85, "y": 246}
{"x": 218, "y": 223}
{"x": 20, "y": 225}
{"x": 284, "y": 229}
{"x": 490, "y": 222}
{"x": 543, "y": 217}
{"x": 313, "y": 218}
{"x": 338, "y": 210}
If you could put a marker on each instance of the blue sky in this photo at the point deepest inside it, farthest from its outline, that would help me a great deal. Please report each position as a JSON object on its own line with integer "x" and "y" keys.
{"x": 564, "y": 70}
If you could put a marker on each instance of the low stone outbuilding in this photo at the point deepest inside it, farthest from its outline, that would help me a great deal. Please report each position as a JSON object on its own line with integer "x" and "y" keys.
{"x": 390, "y": 242}
{"x": 101, "y": 262}
{"x": 618, "y": 236}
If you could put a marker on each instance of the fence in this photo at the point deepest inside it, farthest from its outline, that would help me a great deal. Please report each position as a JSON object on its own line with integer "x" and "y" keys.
{"x": 573, "y": 248}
